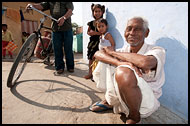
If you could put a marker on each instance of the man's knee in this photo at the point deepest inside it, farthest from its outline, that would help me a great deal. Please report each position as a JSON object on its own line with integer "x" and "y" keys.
{"x": 125, "y": 77}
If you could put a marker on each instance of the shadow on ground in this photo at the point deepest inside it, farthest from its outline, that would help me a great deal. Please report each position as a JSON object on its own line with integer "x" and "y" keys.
{"x": 91, "y": 94}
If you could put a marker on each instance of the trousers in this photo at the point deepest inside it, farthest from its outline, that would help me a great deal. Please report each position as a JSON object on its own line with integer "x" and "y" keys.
{"x": 63, "y": 39}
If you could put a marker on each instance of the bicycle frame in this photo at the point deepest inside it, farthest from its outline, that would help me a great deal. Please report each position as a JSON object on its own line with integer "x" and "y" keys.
{"x": 42, "y": 20}
{"x": 39, "y": 32}
{"x": 43, "y": 13}
{"x": 27, "y": 51}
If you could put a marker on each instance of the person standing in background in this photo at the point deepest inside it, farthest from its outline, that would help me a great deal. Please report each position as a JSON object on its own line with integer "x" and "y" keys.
{"x": 93, "y": 45}
{"x": 62, "y": 35}
{"x": 6, "y": 38}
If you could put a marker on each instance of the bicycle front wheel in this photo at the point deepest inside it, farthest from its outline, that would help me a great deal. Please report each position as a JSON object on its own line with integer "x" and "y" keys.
{"x": 21, "y": 60}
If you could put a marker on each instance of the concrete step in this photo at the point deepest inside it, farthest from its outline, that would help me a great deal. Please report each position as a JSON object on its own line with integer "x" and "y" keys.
{"x": 163, "y": 116}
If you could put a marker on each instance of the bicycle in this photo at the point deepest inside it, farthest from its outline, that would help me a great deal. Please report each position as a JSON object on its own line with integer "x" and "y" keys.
{"x": 27, "y": 51}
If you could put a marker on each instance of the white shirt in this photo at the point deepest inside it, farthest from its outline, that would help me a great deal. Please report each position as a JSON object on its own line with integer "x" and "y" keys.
{"x": 154, "y": 78}
{"x": 104, "y": 42}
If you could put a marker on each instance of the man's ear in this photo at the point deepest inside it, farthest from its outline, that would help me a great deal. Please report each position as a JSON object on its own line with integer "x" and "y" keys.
{"x": 147, "y": 33}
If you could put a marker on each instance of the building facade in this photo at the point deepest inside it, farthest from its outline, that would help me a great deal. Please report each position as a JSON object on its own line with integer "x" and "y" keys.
{"x": 28, "y": 23}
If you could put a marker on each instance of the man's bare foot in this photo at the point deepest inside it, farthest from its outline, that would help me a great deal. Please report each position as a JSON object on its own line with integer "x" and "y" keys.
{"x": 89, "y": 76}
{"x": 130, "y": 121}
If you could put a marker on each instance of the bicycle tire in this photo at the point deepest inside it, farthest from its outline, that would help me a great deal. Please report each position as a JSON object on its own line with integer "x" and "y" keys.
{"x": 26, "y": 52}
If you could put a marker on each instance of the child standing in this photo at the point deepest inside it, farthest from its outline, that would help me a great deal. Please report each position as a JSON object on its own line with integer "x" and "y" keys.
{"x": 6, "y": 38}
{"x": 97, "y": 12}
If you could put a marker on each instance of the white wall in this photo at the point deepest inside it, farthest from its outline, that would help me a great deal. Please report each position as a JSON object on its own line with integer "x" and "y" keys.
{"x": 168, "y": 23}
{"x": 168, "y": 19}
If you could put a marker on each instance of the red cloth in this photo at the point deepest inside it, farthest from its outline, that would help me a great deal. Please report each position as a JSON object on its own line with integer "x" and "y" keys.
{"x": 11, "y": 46}
{"x": 4, "y": 44}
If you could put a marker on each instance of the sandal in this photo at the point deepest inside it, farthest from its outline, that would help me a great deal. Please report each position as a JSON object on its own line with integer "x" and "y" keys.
{"x": 98, "y": 107}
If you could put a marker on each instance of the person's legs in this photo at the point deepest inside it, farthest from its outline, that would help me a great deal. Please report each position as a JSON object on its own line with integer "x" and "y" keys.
{"x": 68, "y": 48}
{"x": 10, "y": 54}
{"x": 92, "y": 48}
{"x": 4, "y": 44}
{"x": 57, "y": 39}
{"x": 130, "y": 92}
{"x": 89, "y": 75}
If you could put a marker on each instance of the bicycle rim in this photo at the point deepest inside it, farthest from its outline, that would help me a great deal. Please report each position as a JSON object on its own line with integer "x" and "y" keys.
{"x": 22, "y": 59}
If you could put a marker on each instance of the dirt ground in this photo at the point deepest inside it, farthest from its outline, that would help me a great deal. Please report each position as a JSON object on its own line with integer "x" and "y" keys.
{"x": 39, "y": 97}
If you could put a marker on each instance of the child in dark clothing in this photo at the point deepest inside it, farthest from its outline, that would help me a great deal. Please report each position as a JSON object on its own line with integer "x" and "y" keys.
{"x": 97, "y": 12}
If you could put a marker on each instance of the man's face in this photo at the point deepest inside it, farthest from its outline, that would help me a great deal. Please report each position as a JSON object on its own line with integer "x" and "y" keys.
{"x": 134, "y": 33}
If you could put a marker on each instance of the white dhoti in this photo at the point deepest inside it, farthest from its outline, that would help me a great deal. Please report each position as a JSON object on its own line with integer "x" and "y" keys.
{"x": 104, "y": 77}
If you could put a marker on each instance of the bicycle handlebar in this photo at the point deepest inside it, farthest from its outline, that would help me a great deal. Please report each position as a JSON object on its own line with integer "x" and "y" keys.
{"x": 43, "y": 13}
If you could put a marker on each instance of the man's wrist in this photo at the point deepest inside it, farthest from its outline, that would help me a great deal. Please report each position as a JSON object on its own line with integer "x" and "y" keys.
{"x": 64, "y": 18}
{"x": 117, "y": 63}
{"x": 111, "y": 53}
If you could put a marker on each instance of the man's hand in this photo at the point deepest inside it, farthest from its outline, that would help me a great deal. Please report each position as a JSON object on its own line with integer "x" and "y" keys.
{"x": 37, "y": 6}
{"x": 61, "y": 21}
{"x": 108, "y": 49}
{"x": 28, "y": 8}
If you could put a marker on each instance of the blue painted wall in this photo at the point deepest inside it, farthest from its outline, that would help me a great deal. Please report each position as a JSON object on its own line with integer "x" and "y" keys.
{"x": 168, "y": 23}
{"x": 175, "y": 89}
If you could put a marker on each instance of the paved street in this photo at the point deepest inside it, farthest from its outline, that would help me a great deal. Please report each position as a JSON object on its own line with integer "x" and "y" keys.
{"x": 42, "y": 98}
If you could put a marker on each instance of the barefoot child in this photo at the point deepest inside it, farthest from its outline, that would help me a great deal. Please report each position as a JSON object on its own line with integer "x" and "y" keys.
{"x": 97, "y": 12}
